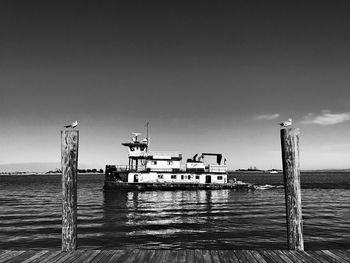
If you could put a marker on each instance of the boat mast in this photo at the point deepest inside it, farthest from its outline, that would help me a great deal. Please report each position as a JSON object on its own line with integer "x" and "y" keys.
{"x": 147, "y": 124}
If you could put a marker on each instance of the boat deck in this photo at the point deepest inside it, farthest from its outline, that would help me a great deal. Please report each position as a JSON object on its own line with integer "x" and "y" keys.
{"x": 111, "y": 185}
{"x": 165, "y": 256}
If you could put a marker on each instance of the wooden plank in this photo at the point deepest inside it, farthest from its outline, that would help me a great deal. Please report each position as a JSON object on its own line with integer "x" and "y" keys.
{"x": 108, "y": 255}
{"x": 157, "y": 257}
{"x": 270, "y": 256}
{"x": 181, "y": 256}
{"x": 207, "y": 256}
{"x": 342, "y": 253}
{"x": 258, "y": 257}
{"x": 241, "y": 256}
{"x": 331, "y": 257}
{"x": 138, "y": 254}
{"x": 93, "y": 257}
{"x": 160, "y": 256}
{"x": 85, "y": 256}
{"x": 202, "y": 256}
{"x": 73, "y": 256}
{"x": 11, "y": 255}
{"x": 145, "y": 256}
{"x": 131, "y": 256}
{"x": 66, "y": 256}
{"x": 118, "y": 256}
{"x": 227, "y": 256}
{"x": 320, "y": 254}
{"x": 285, "y": 255}
{"x": 189, "y": 255}
{"x": 103, "y": 256}
{"x": 4, "y": 253}
{"x": 165, "y": 256}
{"x": 36, "y": 256}
{"x": 215, "y": 256}
{"x": 336, "y": 257}
{"x": 308, "y": 257}
{"x": 50, "y": 257}
{"x": 250, "y": 255}
{"x": 304, "y": 256}
{"x": 19, "y": 258}
{"x": 291, "y": 177}
{"x": 97, "y": 257}
{"x": 317, "y": 257}
{"x": 247, "y": 255}
{"x": 296, "y": 255}
{"x": 198, "y": 257}
{"x": 172, "y": 258}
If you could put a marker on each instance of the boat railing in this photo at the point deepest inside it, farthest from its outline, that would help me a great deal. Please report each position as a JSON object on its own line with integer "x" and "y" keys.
{"x": 165, "y": 154}
{"x": 215, "y": 168}
{"x": 161, "y": 169}
{"x": 129, "y": 168}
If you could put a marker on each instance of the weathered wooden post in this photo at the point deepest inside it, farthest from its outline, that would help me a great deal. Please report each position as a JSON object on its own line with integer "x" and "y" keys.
{"x": 69, "y": 164}
{"x": 291, "y": 175}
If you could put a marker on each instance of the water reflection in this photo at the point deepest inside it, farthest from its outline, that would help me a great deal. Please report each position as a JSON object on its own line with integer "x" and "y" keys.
{"x": 152, "y": 217}
{"x": 222, "y": 219}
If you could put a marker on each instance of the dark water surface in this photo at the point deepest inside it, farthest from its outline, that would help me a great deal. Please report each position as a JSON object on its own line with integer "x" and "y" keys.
{"x": 30, "y": 215}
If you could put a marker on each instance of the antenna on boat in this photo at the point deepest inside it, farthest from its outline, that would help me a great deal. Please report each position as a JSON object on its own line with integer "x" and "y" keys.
{"x": 147, "y": 124}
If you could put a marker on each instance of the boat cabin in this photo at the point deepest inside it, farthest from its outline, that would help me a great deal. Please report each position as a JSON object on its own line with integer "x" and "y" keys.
{"x": 166, "y": 167}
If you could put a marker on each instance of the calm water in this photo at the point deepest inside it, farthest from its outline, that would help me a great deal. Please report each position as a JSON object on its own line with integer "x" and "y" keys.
{"x": 30, "y": 215}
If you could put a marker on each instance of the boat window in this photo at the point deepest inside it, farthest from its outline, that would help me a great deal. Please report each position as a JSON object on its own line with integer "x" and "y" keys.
{"x": 154, "y": 162}
{"x": 219, "y": 177}
{"x": 160, "y": 176}
{"x": 170, "y": 162}
{"x": 197, "y": 177}
{"x": 173, "y": 176}
{"x": 132, "y": 149}
{"x": 182, "y": 177}
{"x": 142, "y": 148}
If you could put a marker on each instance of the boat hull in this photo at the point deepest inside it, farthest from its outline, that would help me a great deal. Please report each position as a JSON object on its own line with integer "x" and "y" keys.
{"x": 110, "y": 185}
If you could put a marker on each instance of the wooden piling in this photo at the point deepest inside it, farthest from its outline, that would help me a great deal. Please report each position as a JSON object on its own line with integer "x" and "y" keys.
{"x": 291, "y": 175}
{"x": 69, "y": 163}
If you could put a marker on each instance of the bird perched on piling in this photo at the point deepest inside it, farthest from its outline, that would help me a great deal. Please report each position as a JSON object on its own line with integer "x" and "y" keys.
{"x": 286, "y": 123}
{"x": 72, "y": 125}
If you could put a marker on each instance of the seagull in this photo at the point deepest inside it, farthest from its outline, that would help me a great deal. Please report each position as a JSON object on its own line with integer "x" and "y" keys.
{"x": 286, "y": 123}
{"x": 73, "y": 125}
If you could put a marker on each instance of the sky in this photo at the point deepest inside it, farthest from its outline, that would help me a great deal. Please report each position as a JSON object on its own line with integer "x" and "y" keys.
{"x": 208, "y": 77}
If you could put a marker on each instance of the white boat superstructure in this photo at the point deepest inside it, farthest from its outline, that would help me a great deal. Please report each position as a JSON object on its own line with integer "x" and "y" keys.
{"x": 168, "y": 167}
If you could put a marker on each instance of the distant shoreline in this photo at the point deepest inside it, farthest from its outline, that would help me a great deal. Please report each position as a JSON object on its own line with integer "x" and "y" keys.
{"x": 229, "y": 172}
{"x": 280, "y": 171}
{"x": 48, "y": 174}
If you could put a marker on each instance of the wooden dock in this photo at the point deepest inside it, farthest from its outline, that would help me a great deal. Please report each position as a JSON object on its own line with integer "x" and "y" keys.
{"x": 168, "y": 256}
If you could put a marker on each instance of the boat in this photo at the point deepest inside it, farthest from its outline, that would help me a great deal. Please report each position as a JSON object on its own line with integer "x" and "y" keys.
{"x": 165, "y": 170}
